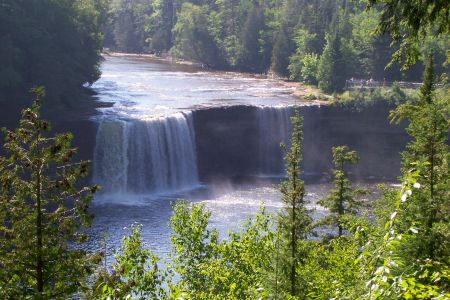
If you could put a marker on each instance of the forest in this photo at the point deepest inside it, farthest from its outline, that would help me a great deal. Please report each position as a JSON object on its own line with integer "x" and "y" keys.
{"x": 56, "y": 44}
{"x": 320, "y": 42}
{"x": 398, "y": 249}
{"x": 395, "y": 247}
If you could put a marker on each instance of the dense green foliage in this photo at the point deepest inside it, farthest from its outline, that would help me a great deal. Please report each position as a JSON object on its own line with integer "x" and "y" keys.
{"x": 362, "y": 98}
{"x": 411, "y": 23}
{"x": 135, "y": 273}
{"x": 294, "y": 222}
{"x": 342, "y": 200}
{"x": 49, "y": 43}
{"x": 320, "y": 42}
{"x": 399, "y": 253}
{"x": 429, "y": 154}
{"x": 42, "y": 211}
{"x": 213, "y": 269}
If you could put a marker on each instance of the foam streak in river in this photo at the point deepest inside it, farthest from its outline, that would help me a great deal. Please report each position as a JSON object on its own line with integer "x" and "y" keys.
{"x": 146, "y": 157}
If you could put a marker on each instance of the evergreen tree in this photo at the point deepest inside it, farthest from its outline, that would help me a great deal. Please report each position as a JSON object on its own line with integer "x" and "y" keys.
{"x": 429, "y": 153}
{"x": 411, "y": 23}
{"x": 42, "y": 213}
{"x": 427, "y": 88}
{"x": 55, "y": 44}
{"x": 250, "y": 58}
{"x": 341, "y": 200}
{"x": 294, "y": 221}
{"x": 281, "y": 53}
{"x": 331, "y": 73}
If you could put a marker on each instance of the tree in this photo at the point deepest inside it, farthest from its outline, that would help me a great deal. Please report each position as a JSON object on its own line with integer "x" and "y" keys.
{"x": 294, "y": 222}
{"x": 193, "y": 246}
{"x": 250, "y": 58}
{"x": 42, "y": 212}
{"x": 135, "y": 273}
{"x": 387, "y": 264}
{"x": 428, "y": 153}
{"x": 161, "y": 25}
{"x": 341, "y": 200}
{"x": 331, "y": 73}
{"x": 410, "y": 22}
{"x": 310, "y": 65}
{"x": 304, "y": 43}
{"x": 132, "y": 26}
{"x": 125, "y": 31}
{"x": 229, "y": 269}
{"x": 281, "y": 53}
{"x": 331, "y": 270}
{"x": 225, "y": 26}
{"x": 242, "y": 259}
{"x": 56, "y": 44}
{"x": 192, "y": 40}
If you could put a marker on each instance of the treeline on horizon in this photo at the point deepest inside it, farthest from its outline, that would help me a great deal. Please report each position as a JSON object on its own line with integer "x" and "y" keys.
{"x": 58, "y": 44}
{"x": 320, "y": 42}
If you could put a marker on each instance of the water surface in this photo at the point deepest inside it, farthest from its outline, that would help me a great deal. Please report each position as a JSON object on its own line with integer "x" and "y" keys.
{"x": 146, "y": 151}
{"x": 145, "y": 88}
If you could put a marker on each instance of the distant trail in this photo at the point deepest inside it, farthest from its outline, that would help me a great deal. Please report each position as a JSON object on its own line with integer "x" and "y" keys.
{"x": 352, "y": 84}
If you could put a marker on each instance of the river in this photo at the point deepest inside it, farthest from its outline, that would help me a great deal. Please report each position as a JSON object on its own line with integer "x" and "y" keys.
{"x": 176, "y": 131}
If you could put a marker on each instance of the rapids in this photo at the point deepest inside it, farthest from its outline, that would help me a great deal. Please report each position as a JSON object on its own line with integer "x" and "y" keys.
{"x": 214, "y": 137}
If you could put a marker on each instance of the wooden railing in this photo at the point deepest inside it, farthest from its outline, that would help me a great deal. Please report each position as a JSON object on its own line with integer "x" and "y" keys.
{"x": 352, "y": 84}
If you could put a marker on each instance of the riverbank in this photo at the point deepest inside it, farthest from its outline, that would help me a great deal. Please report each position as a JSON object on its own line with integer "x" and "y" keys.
{"x": 308, "y": 93}
{"x": 305, "y": 94}
{"x": 168, "y": 59}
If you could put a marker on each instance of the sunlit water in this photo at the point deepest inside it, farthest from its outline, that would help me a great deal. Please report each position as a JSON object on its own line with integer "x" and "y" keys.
{"x": 149, "y": 91}
{"x": 143, "y": 88}
{"x": 230, "y": 206}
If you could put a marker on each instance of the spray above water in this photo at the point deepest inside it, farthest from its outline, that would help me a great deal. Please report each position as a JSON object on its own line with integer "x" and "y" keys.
{"x": 146, "y": 142}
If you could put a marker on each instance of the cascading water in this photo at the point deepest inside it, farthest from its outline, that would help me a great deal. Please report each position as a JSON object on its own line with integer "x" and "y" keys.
{"x": 146, "y": 157}
{"x": 274, "y": 129}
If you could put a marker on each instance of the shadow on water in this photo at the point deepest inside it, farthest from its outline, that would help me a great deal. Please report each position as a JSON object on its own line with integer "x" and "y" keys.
{"x": 215, "y": 136}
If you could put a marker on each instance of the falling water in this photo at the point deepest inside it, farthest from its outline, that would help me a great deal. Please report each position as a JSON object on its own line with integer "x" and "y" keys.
{"x": 274, "y": 129}
{"x": 146, "y": 157}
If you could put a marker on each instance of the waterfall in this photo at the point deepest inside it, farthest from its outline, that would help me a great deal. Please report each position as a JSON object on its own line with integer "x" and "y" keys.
{"x": 146, "y": 157}
{"x": 274, "y": 129}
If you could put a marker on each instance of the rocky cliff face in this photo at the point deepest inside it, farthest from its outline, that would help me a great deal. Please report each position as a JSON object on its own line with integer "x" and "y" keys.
{"x": 229, "y": 141}
{"x": 243, "y": 141}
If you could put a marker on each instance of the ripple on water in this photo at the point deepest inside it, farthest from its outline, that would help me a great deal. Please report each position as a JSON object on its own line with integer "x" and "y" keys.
{"x": 152, "y": 84}
{"x": 229, "y": 206}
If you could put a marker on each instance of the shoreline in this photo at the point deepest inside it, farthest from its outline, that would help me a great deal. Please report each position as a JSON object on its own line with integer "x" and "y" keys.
{"x": 306, "y": 94}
